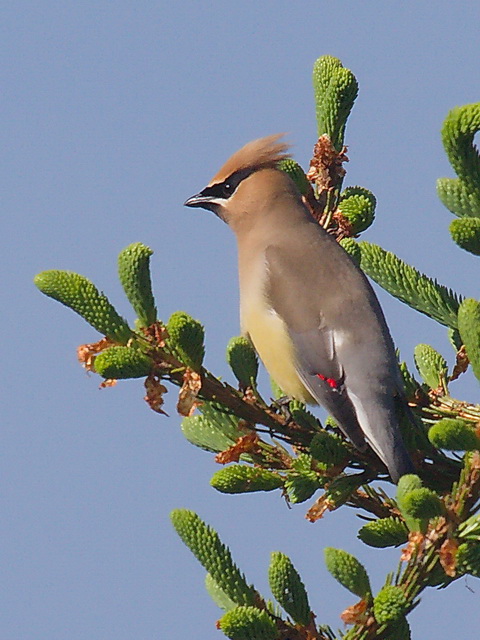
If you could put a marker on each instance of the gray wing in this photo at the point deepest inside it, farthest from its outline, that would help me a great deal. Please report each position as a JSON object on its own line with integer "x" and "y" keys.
{"x": 307, "y": 293}
{"x": 316, "y": 358}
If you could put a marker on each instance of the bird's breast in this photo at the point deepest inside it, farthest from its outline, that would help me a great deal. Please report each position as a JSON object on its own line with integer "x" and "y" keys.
{"x": 269, "y": 335}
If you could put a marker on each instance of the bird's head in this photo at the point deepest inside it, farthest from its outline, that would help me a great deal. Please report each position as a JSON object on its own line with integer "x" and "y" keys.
{"x": 246, "y": 184}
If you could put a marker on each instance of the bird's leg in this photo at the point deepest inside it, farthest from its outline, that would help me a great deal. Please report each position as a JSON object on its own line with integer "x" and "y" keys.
{"x": 282, "y": 405}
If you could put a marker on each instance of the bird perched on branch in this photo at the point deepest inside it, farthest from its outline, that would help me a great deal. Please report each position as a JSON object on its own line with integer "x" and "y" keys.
{"x": 309, "y": 311}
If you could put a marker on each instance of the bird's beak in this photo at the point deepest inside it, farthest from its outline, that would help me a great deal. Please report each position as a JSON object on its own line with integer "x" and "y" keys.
{"x": 199, "y": 200}
{"x": 205, "y": 201}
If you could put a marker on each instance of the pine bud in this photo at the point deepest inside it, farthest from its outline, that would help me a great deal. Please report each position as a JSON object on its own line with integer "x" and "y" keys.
{"x": 458, "y": 197}
{"x": 335, "y": 89}
{"x": 408, "y": 483}
{"x": 384, "y": 532}
{"x": 458, "y": 131}
{"x": 216, "y": 432}
{"x": 431, "y": 365}
{"x": 186, "y": 337}
{"x": 297, "y": 174}
{"x": 248, "y": 623}
{"x": 469, "y": 327}
{"x": 81, "y": 295}
{"x": 205, "y": 544}
{"x": 351, "y": 247}
{"x": 303, "y": 462}
{"x": 466, "y": 233}
{"x": 244, "y": 479}
{"x": 358, "y": 206}
{"x": 421, "y": 504}
{"x": 134, "y": 273}
{"x": 243, "y": 360}
{"x": 453, "y": 434}
{"x": 347, "y": 570}
{"x": 122, "y": 363}
{"x": 288, "y": 588}
{"x": 389, "y": 604}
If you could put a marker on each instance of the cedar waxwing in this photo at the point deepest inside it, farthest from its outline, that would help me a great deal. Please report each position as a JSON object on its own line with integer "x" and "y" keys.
{"x": 309, "y": 311}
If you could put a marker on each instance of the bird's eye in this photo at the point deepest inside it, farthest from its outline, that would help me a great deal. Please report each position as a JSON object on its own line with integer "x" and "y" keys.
{"x": 227, "y": 188}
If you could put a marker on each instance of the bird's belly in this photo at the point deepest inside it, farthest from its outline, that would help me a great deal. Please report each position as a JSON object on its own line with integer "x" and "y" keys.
{"x": 270, "y": 338}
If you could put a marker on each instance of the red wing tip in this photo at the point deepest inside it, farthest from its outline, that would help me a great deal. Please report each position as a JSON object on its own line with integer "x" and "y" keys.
{"x": 334, "y": 384}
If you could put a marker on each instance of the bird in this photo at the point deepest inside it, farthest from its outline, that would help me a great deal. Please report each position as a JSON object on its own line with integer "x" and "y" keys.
{"x": 307, "y": 308}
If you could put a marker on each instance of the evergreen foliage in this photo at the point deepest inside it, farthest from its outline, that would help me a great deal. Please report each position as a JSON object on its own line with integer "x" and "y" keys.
{"x": 134, "y": 274}
{"x": 288, "y": 588}
{"x": 122, "y": 363}
{"x": 281, "y": 445}
{"x": 83, "y": 297}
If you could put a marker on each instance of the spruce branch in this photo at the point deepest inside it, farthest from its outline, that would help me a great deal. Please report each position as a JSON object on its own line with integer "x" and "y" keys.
{"x": 409, "y": 285}
{"x": 435, "y": 513}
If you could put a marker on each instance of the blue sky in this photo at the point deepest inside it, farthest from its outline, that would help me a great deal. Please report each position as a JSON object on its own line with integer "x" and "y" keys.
{"x": 114, "y": 113}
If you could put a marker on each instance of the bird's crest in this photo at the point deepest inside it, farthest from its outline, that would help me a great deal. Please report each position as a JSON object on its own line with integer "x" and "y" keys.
{"x": 257, "y": 154}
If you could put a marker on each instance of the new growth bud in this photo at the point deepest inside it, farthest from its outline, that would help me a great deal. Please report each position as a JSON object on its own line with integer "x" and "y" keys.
{"x": 248, "y": 623}
{"x": 186, "y": 337}
{"x": 431, "y": 366}
{"x": 389, "y": 604}
{"x": 407, "y": 485}
{"x": 243, "y": 360}
{"x": 384, "y": 532}
{"x": 81, "y": 295}
{"x": 417, "y": 503}
{"x": 466, "y": 233}
{"x": 461, "y": 195}
{"x": 469, "y": 327}
{"x": 453, "y": 434}
{"x": 409, "y": 285}
{"x": 352, "y": 248}
{"x": 288, "y": 588}
{"x": 134, "y": 273}
{"x": 122, "y": 363}
{"x": 297, "y": 174}
{"x": 358, "y": 206}
{"x": 335, "y": 89}
{"x": 205, "y": 544}
{"x": 347, "y": 570}
{"x": 245, "y": 479}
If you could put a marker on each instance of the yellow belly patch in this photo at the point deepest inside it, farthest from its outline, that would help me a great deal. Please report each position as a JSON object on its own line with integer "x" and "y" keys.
{"x": 275, "y": 349}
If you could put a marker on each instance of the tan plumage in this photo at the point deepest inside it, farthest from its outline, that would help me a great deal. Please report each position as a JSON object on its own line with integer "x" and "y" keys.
{"x": 310, "y": 312}
{"x": 264, "y": 152}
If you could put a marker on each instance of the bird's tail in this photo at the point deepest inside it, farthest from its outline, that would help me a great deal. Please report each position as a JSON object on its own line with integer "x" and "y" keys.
{"x": 380, "y": 426}
{"x": 397, "y": 459}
